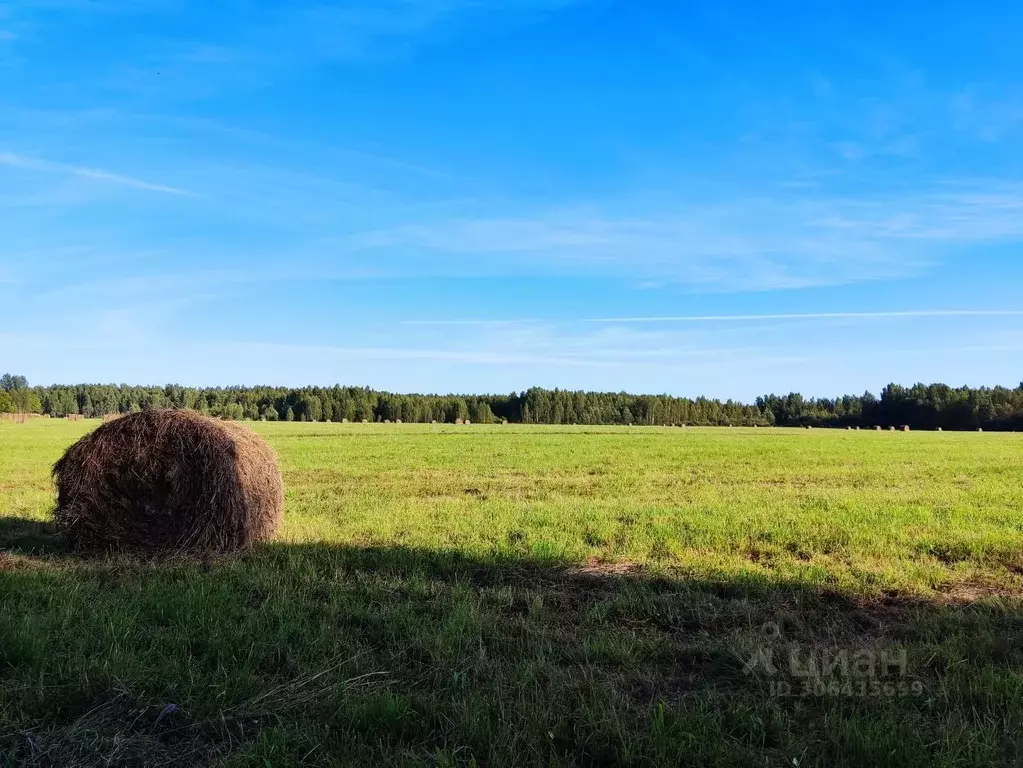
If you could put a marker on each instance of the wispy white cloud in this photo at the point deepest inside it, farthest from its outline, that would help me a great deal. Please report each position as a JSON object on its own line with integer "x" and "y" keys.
{"x": 94, "y": 174}
{"x": 921, "y": 313}
{"x": 261, "y": 43}
{"x": 436, "y": 354}
{"x": 767, "y": 243}
{"x": 469, "y": 322}
{"x": 708, "y": 249}
{"x": 988, "y": 116}
{"x": 893, "y": 315}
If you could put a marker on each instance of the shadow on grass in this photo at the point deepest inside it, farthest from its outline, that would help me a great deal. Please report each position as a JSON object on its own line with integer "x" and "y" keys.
{"x": 30, "y": 537}
{"x": 326, "y": 654}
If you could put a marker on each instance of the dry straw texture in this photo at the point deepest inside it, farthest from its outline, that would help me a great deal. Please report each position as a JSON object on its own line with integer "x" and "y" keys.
{"x": 169, "y": 482}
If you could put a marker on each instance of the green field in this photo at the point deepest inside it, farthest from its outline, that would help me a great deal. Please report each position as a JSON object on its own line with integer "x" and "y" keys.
{"x": 514, "y": 595}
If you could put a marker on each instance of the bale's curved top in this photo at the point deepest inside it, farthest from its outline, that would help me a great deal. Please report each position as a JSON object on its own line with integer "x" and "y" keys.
{"x": 165, "y": 481}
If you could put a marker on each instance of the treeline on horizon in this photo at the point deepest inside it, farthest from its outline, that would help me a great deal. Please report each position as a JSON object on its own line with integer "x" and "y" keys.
{"x": 918, "y": 407}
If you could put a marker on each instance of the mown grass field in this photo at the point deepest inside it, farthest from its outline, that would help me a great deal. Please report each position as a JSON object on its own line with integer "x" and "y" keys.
{"x": 539, "y": 596}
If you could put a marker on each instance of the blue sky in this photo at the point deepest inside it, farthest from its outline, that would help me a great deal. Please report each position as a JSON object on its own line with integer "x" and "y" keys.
{"x": 720, "y": 198}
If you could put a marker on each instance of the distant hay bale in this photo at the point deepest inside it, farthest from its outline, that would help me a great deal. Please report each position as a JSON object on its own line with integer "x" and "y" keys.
{"x": 459, "y": 421}
{"x": 344, "y": 421}
{"x": 397, "y": 421}
{"x": 468, "y": 422}
{"x": 940, "y": 429}
{"x": 891, "y": 429}
{"x": 169, "y": 482}
{"x": 433, "y": 421}
{"x": 980, "y": 429}
{"x": 387, "y": 421}
{"x": 905, "y": 428}
{"x": 365, "y": 421}
{"x": 877, "y": 429}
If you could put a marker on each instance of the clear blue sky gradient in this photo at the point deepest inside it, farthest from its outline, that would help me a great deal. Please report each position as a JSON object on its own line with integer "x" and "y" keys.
{"x": 483, "y": 195}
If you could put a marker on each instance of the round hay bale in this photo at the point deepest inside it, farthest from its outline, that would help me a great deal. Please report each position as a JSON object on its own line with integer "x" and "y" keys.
{"x": 940, "y": 429}
{"x": 905, "y": 428}
{"x": 169, "y": 482}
